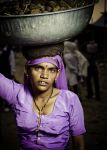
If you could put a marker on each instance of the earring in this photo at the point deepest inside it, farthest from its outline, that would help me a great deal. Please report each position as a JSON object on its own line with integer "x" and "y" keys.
{"x": 27, "y": 75}
{"x": 55, "y": 80}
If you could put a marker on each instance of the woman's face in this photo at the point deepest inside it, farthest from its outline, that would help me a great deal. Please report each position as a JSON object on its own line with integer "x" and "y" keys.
{"x": 42, "y": 76}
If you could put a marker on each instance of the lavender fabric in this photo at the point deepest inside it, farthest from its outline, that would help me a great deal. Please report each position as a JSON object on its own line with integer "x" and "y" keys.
{"x": 66, "y": 118}
{"x": 61, "y": 82}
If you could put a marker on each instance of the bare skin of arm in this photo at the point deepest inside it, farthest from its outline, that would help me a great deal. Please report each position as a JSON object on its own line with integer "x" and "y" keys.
{"x": 78, "y": 142}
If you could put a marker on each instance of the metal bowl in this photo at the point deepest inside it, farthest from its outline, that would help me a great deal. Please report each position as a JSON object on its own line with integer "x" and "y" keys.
{"x": 44, "y": 28}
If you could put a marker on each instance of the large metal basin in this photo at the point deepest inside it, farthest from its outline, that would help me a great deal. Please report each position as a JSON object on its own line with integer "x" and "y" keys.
{"x": 46, "y": 28}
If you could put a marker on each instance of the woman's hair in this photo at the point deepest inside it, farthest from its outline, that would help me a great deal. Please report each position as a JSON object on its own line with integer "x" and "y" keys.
{"x": 33, "y": 52}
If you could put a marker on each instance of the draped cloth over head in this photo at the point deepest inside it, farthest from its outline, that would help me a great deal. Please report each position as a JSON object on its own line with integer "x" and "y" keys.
{"x": 61, "y": 82}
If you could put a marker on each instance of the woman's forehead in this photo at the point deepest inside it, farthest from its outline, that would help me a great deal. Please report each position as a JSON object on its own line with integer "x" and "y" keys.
{"x": 47, "y": 65}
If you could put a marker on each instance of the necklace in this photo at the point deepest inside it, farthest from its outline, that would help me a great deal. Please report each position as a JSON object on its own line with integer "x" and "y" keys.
{"x": 41, "y": 110}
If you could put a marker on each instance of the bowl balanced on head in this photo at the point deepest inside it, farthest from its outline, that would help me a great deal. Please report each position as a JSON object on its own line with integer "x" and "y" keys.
{"x": 45, "y": 25}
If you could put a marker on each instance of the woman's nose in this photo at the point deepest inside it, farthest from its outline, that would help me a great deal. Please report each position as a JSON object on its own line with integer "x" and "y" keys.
{"x": 45, "y": 74}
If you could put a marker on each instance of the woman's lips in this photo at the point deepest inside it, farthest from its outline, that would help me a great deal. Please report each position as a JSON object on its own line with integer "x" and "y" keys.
{"x": 43, "y": 83}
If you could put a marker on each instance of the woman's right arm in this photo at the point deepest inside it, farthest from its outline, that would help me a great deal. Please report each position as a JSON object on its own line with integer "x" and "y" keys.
{"x": 8, "y": 89}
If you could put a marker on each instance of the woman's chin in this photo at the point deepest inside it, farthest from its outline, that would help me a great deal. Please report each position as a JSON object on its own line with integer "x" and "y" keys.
{"x": 42, "y": 88}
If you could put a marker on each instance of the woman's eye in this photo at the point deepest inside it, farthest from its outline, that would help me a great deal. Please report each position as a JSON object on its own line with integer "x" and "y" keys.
{"x": 53, "y": 70}
{"x": 38, "y": 68}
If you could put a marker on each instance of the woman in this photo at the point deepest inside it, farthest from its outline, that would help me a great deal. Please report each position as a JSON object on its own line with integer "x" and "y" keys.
{"x": 46, "y": 112}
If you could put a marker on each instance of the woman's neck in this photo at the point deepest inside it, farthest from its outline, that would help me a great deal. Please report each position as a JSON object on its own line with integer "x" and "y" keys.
{"x": 43, "y": 94}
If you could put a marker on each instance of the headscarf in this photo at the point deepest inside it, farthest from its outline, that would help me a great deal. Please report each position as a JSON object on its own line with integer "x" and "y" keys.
{"x": 61, "y": 82}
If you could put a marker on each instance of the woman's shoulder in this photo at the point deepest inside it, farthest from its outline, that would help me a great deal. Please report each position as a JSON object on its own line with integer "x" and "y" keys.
{"x": 67, "y": 92}
{"x": 68, "y": 100}
{"x": 68, "y": 95}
